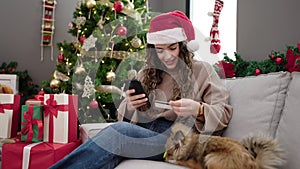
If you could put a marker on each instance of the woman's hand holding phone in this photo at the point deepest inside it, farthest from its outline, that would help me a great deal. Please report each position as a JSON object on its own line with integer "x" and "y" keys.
{"x": 135, "y": 101}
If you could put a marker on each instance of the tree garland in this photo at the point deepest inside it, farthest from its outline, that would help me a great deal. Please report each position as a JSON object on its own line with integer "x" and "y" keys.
{"x": 277, "y": 61}
{"x": 27, "y": 89}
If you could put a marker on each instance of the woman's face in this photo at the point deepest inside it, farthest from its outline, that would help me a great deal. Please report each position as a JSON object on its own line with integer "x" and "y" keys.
{"x": 168, "y": 54}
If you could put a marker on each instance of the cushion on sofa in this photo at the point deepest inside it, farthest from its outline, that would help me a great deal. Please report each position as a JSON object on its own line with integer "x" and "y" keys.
{"x": 288, "y": 132}
{"x": 90, "y": 130}
{"x": 257, "y": 103}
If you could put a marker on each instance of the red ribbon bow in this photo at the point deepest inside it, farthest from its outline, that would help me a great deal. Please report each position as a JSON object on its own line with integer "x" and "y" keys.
{"x": 51, "y": 109}
{"x": 27, "y": 129}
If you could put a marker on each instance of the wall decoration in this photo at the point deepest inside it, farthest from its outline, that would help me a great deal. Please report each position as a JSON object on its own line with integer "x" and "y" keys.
{"x": 47, "y": 26}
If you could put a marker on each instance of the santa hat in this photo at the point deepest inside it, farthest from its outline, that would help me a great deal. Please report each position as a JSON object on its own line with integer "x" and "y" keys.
{"x": 172, "y": 27}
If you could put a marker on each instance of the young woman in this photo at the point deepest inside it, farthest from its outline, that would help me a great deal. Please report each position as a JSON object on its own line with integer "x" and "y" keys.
{"x": 192, "y": 89}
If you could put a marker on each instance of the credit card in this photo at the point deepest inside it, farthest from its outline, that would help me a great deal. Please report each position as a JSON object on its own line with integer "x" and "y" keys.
{"x": 162, "y": 104}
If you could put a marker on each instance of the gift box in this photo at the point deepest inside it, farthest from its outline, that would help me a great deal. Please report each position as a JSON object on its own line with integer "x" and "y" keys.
{"x": 9, "y": 115}
{"x": 10, "y": 80}
{"x": 60, "y": 118}
{"x": 32, "y": 123}
{"x": 42, "y": 155}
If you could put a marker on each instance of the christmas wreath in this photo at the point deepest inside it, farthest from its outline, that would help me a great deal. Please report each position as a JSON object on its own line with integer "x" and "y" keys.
{"x": 27, "y": 89}
{"x": 276, "y": 61}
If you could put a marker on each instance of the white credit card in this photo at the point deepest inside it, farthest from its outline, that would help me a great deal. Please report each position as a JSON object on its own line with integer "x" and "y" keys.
{"x": 162, "y": 104}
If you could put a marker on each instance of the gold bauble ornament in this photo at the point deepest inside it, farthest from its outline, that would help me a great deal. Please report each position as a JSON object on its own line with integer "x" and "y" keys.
{"x": 90, "y": 4}
{"x": 110, "y": 76}
{"x": 136, "y": 42}
{"x": 54, "y": 83}
{"x": 131, "y": 74}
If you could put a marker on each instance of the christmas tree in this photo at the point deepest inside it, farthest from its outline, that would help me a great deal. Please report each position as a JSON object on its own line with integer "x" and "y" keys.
{"x": 108, "y": 48}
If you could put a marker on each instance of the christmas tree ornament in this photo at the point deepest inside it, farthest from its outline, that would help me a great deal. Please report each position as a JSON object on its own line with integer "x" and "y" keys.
{"x": 118, "y": 6}
{"x": 131, "y": 74}
{"x": 130, "y": 5}
{"x": 88, "y": 87}
{"x": 90, "y": 4}
{"x": 89, "y": 43}
{"x": 100, "y": 23}
{"x": 80, "y": 70}
{"x": 80, "y": 21}
{"x": 93, "y": 104}
{"x": 82, "y": 39}
{"x": 109, "y": 89}
{"x": 54, "y": 84}
{"x": 61, "y": 58}
{"x": 122, "y": 31}
{"x": 136, "y": 42}
{"x": 78, "y": 86}
{"x": 278, "y": 60}
{"x": 215, "y": 45}
{"x": 60, "y": 76}
{"x": 110, "y": 76}
{"x": 257, "y": 71}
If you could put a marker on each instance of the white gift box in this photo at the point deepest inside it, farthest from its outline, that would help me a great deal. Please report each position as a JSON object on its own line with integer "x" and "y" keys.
{"x": 65, "y": 124}
{"x": 6, "y": 117}
{"x": 10, "y": 80}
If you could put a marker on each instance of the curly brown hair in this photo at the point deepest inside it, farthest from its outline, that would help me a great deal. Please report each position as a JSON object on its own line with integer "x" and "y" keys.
{"x": 154, "y": 68}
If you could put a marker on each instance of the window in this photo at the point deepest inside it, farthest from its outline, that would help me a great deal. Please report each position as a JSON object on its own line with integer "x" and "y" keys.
{"x": 227, "y": 27}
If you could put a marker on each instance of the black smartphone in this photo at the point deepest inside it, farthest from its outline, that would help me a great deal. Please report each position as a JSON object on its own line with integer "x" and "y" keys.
{"x": 137, "y": 86}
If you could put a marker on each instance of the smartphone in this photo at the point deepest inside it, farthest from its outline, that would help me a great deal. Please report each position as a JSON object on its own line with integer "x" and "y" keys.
{"x": 137, "y": 86}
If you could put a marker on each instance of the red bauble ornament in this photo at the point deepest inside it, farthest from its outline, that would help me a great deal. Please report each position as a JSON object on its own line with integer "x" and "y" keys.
{"x": 11, "y": 69}
{"x": 93, "y": 104}
{"x": 278, "y": 60}
{"x": 31, "y": 83}
{"x": 60, "y": 58}
{"x": 257, "y": 72}
{"x": 3, "y": 71}
{"x": 118, "y": 6}
{"x": 82, "y": 39}
{"x": 122, "y": 31}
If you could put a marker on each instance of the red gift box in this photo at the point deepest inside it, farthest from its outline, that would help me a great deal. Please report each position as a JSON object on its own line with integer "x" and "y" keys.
{"x": 41, "y": 155}
{"x": 9, "y": 115}
{"x": 60, "y": 118}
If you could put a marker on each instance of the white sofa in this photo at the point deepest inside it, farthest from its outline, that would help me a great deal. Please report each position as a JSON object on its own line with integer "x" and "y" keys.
{"x": 268, "y": 103}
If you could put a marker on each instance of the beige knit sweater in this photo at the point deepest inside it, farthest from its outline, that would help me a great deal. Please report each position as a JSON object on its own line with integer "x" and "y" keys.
{"x": 209, "y": 89}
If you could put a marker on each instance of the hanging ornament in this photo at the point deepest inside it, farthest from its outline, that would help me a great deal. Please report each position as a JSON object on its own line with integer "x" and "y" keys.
{"x": 122, "y": 31}
{"x": 131, "y": 74}
{"x": 82, "y": 39}
{"x": 90, "y": 4}
{"x": 61, "y": 58}
{"x": 93, "y": 104}
{"x": 278, "y": 60}
{"x": 257, "y": 71}
{"x": 54, "y": 83}
{"x": 88, "y": 88}
{"x": 110, "y": 76}
{"x": 78, "y": 86}
{"x": 130, "y": 5}
{"x": 90, "y": 42}
{"x": 136, "y": 42}
{"x": 100, "y": 23}
{"x": 118, "y": 6}
{"x": 80, "y": 70}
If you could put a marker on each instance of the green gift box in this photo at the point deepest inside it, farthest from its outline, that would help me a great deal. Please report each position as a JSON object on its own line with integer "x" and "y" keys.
{"x": 32, "y": 123}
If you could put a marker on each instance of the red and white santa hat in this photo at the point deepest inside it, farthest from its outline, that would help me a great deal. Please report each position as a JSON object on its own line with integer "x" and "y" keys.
{"x": 172, "y": 27}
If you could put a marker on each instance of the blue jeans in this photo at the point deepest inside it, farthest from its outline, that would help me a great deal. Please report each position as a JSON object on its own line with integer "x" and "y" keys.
{"x": 119, "y": 141}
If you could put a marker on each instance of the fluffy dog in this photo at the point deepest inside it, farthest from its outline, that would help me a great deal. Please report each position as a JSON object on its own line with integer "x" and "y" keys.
{"x": 198, "y": 151}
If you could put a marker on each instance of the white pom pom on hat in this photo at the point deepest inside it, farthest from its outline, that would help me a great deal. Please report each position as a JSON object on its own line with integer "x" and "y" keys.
{"x": 172, "y": 27}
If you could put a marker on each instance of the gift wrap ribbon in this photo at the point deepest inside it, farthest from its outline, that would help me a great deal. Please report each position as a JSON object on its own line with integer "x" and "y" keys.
{"x": 51, "y": 109}
{"x": 27, "y": 129}
{"x": 26, "y": 155}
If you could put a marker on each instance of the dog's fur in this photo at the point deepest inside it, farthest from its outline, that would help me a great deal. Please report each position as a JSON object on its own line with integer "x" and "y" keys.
{"x": 198, "y": 151}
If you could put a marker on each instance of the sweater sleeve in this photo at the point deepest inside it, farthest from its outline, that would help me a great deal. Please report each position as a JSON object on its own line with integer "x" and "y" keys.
{"x": 214, "y": 97}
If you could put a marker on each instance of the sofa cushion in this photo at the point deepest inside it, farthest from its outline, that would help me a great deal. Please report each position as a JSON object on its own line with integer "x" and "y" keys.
{"x": 257, "y": 103}
{"x": 89, "y": 130}
{"x": 289, "y": 128}
{"x": 146, "y": 164}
